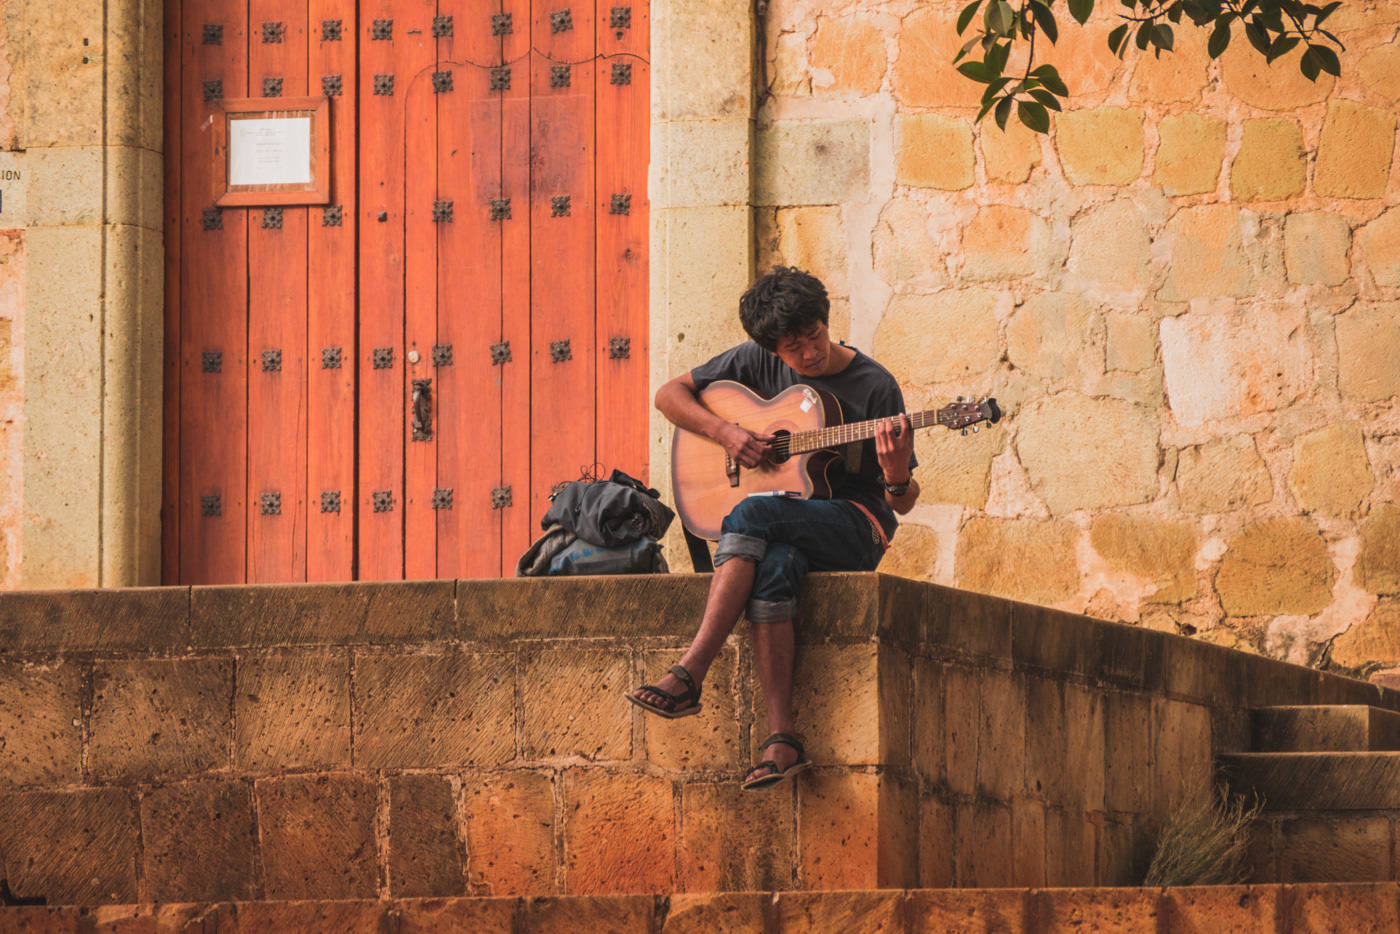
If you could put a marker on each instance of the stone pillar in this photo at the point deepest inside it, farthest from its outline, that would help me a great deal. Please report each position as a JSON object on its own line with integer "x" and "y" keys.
{"x": 702, "y": 108}
{"x": 85, "y": 88}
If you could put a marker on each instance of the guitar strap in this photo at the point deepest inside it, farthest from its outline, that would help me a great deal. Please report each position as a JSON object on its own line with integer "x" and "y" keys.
{"x": 877, "y": 530}
{"x": 699, "y": 552}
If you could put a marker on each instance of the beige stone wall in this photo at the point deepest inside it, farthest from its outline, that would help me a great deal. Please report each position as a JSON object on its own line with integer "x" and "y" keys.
{"x": 1186, "y": 298}
{"x": 80, "y": 293}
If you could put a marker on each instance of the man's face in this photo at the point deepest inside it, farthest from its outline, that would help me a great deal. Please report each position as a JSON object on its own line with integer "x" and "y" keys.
{"x": 808, "y": 352}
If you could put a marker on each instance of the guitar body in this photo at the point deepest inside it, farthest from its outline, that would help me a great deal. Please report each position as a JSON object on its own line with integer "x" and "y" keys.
{"x": 707, "y": 485}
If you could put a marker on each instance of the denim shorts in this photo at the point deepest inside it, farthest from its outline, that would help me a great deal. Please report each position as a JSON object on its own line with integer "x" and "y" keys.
{"x": 789, "y": 537}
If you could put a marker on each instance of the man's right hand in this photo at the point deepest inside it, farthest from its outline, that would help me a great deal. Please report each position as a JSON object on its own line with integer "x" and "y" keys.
{"x": 747, "y": 448}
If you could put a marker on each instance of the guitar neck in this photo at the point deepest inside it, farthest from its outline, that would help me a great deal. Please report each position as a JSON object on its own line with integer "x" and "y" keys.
{"x": 837, "y": 435}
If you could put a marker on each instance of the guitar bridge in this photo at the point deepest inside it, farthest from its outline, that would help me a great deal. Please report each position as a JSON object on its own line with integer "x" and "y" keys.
{"x": 731, "y": 470}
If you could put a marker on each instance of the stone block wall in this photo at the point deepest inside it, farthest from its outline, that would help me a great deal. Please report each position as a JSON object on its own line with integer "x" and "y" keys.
{"x": 1186, "y": 297}
{"x": 470, "y": 737}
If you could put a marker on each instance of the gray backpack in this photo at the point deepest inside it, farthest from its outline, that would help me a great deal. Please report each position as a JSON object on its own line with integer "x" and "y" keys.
{"x": 600, "y": 527}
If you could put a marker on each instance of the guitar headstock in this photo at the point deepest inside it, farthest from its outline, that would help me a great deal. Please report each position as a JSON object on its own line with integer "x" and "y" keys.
{"x": 960, "y": 414}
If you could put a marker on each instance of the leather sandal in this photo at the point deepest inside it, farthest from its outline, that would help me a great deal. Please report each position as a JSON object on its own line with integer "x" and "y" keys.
{"x": 671, "y": 707}
{"x": 772, "y": 774}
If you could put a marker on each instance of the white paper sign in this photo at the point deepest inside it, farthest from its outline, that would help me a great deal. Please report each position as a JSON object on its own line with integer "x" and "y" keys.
{"x": 13, "y": 175}
{"x": 269, "y": 151}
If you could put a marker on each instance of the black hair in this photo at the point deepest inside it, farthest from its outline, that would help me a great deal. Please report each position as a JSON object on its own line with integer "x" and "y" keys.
{"x": 783, "y": 302}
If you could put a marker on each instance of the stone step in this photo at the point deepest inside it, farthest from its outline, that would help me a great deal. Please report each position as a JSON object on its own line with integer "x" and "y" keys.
{"x": 1317, "y": 781}
{"x": 1325, "y": 728}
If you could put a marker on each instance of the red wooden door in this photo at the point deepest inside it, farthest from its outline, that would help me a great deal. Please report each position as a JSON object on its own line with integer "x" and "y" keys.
{"x": 389, "y": 385}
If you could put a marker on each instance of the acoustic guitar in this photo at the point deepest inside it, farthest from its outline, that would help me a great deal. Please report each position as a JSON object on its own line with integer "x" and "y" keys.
{"x": 805, "y": 459}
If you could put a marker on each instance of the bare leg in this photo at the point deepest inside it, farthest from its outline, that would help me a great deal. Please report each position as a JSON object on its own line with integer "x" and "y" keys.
{"x": 729, "y": 593}
{"x": 773, "y": 654}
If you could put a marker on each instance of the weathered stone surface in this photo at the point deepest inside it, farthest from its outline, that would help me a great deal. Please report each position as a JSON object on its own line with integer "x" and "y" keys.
{"x": 1207, "y": 255}
{"x": 1315, "y": 248}
{"x": 1179, "y": 76}
{"x": 1378, "y": 565}
{"x": 838, "y": 813}
{"x": 1109, "y": 245}
{"x": 199, "y": 842}
{"x": 447, "y": 709}
{"x": 1214, "y": 369}
{"x": 1269, "y": 164}
{"x": 1001, "y": 734}
{"x": 621, "y": 606}
{"x": 819, "y": 912}
{"x": 1337, "y": 907}
{"x": 1102, "y": 146}
{"x": 814, "y": 239}
{"x": 273, "y": 917}
{"x": 937, "y": 869}
{"x": 1009, "y": 155}
{"x": 1160, "y": 551}
{"x": 1224, "y": 909}
{"x": 812, "y": 163}
{"x": 1331, "y": 475}
{"x": 1335, "y": 849}
{"x": 1099, "y": 909}
{"x": 789, "y": 70}
{"x": 954, "y": 468}
{"x": 156, "y": 719}
{"x": 1276, "y": 86}
{"x": 380, "y": 612}
{"x": 1018, "y": 558}
{"x": 614, "y": 914}
{"x": 477, "y": 915}
{"x": 1353, "y": 156}
{"x": 144, "y": 619}
{"x": 913, "y": 552}
{"x": 928, "y": 40}
{"x": 1004, "y": 242}
{"x": 1376, "y": 640}
{"x": 317, "y": 836}
{"x": 1368, "y": 344}
{"x": 716, "y": 913}
{"x": 1276, "y": 566}
{"x": 933, "y": 151}
{"x": 564, "y": 689}
{"x": 1189, "y": 152}
{"x": 509, "y": 820}
{"x": 1069, "y": 847}
{"x": 708, "y": 740}
{"x": 71, "y": 847}
{"x": 40, "y": 735}
{"x": 912, "y": 338}
{"x": 905, "y": 255}
{"x": 1222, "y": 475}
{"x": 1380, "y": 244}
{"x": 1113, "y": 461}
{"x": 1379, "y": 71}
{"x": 732, "y": 840}
{"x": 1131, "y": 343}
{"x": 701, "y": 162}
{"x": 615, "y": 824}
{"x": 292, "y": 711}
{"x": 848, "y": 55}
{"x": 836, "y": 698}
{"x": 425, "y": 856}
{"x": 1045, "y": 336}
{"x": 968, "y": 910}
{"x": 699, "y": 71}
{"x": 984, "y": 840}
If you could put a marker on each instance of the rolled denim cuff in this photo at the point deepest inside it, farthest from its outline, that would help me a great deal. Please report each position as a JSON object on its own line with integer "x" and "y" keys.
{"x": 769, "y": 611}
{"x": 734, "y": 545}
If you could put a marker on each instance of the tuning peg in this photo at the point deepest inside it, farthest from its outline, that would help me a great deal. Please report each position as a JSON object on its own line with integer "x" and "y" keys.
{"x": 964, "y": 431}
{"x": 960, "y": 398}
{"x": 974, "y": 430}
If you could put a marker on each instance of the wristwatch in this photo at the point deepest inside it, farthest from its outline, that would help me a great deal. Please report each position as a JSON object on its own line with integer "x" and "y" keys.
{"x": 897, "y": 489}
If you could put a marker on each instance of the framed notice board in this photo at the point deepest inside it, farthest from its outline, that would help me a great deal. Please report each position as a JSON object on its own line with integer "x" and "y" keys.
{"x": 273, "y": 151}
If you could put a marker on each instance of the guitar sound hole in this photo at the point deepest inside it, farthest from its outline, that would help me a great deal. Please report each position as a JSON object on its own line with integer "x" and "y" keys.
{"x": 780, "y": 446}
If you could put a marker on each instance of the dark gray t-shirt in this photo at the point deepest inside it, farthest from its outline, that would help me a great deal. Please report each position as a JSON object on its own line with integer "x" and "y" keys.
{"x": 865, "y": 390}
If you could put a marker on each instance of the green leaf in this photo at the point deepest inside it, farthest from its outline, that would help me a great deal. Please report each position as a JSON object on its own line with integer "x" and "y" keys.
{"x": 1327, "y": 59}
{"x": 999, "y": 17}
{"x": 1219, "y": 38}
{"x": 1003, "y": 111}
{"x": 1326, "y": 11}
{"x": 1162, "y": 37}
{"x": 1034, "y": 116}
{"x": 977, "y": 71}
{"x": 1144, "y": 35}
{"x": 1045, "y": 20}
{"x": 1049, "y": 77}
{"x": 1080, "y": 10}
{"x": 966, "y": 15}
{"x": 1308, "y": 64}
{"x": 1281, "y": 46}
{"x": 1048, "y": 99}
{"x": 1118, "y": 40}
{"x": 1257, "y": 37}
{"x": 997, "y": 56}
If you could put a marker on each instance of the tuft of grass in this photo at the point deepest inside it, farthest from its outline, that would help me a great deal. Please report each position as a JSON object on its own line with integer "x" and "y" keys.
{"x": 1204, "y": 841}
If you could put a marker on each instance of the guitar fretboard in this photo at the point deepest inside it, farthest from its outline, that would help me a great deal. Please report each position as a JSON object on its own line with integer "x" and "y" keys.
{"x": 837, "y": 435}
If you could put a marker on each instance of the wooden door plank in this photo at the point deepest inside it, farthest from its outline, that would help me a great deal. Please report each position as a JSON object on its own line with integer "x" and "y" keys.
{"x": 623, "y": 107}
{"x": 469, "y": 400}
{"x": 331, "y": 351}
{"x": 518, "y": 526}
{"x": 173, "y": 146}
{"x": 380, "y": 362}
{"x": 277, "y": 316}
{"x": 213, "y": 309}
{"x": 561, "y": 249}
{"x": 415, "y": 50}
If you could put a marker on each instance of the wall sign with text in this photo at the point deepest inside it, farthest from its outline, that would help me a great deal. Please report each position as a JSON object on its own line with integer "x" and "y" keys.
{"x": 273, "y": 151}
